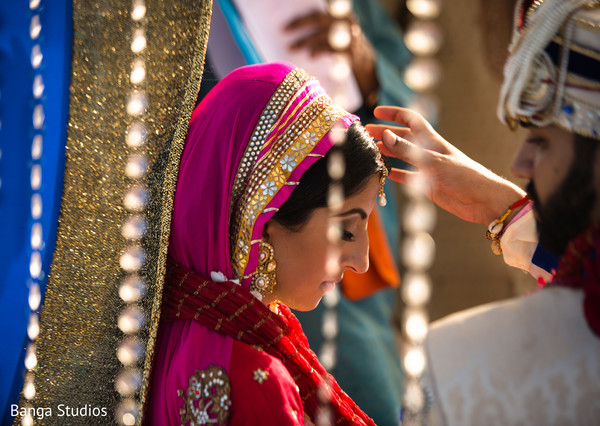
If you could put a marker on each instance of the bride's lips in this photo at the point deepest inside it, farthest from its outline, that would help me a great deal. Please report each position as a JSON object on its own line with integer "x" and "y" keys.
{"x": 328, "y": 286}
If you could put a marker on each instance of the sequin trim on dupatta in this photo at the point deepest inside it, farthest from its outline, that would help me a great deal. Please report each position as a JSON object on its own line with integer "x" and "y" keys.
{"x": 274, "y": 169}
{"x": 290, "y": 85}
{"x": 207, "y": 399}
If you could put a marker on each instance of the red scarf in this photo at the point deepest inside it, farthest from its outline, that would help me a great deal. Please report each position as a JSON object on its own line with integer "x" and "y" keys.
{"x": 230, "y": 310}
{"x": 579, "y": 267}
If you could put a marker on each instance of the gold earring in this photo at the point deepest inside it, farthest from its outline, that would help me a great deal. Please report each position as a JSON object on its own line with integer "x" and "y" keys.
{"x": 264, "y": 279}
{"x": 381, "y": 193}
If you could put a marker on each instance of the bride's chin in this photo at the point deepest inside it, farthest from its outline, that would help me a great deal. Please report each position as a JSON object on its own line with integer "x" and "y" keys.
{"x": 307, "y": 306}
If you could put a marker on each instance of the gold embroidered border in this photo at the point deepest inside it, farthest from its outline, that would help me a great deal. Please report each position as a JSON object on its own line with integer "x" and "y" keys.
{"x": 290, "y": 85}
{"x": 247, "y": 212}
{"x": 273, "y": 170}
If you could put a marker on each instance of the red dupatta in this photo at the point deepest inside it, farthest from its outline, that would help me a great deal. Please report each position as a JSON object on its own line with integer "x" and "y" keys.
{"x": 232, "y": 311}
{"x": 579, "y": 267}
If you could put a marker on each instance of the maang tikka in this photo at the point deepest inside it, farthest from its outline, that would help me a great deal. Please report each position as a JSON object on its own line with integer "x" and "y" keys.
{"x": 264, "y": 279}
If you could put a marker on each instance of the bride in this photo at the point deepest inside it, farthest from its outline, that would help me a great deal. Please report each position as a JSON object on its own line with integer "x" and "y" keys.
{"x": 252, "y": 236}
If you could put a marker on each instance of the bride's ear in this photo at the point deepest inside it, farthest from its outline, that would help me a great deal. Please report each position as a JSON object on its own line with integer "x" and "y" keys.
{"x": 273, "y": 231}
{"x": 267, "y": 229}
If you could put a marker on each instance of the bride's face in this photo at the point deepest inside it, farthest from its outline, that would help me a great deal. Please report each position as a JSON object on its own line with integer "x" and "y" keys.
{"x": 309, "y": 264}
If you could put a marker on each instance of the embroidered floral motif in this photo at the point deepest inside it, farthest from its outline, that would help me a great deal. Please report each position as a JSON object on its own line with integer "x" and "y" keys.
{"x": 261, "y": 375}
{"x": 206, "y": 400}
{"x": 288, "y": 163}
{"x": 269, "y": 188}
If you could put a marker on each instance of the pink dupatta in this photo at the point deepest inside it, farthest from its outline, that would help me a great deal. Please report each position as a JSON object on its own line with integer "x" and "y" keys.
{"x": 240, "y": 123}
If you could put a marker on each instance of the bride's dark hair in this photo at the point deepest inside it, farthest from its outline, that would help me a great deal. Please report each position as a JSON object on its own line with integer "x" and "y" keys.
{"x": 361, "y": 158}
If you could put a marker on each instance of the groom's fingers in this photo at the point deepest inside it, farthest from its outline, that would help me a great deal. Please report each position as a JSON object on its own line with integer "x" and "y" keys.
{"x": 398, "y": 147}
{"x": 376, "y": 131}
{"x": 402, "y": 116}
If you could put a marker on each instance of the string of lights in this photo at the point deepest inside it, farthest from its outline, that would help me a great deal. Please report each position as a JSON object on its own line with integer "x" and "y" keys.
{"x": 36, "y": 274}
{"x": 423, "y": 37}
{"x": 133, "y": 288}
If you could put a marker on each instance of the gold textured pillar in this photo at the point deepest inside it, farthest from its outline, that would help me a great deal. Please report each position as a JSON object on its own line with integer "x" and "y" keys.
{"x": 76, "y": 348}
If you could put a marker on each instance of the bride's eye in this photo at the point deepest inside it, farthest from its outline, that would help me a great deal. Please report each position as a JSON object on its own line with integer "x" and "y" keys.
{"x": 347, "y": 235}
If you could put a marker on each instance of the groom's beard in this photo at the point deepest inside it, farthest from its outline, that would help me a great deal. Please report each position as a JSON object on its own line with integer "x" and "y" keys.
{"x": 566, "y": 213}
